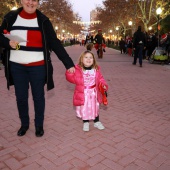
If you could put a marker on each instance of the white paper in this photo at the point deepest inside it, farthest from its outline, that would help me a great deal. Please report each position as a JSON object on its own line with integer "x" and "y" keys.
{"x": 15, "y": 38}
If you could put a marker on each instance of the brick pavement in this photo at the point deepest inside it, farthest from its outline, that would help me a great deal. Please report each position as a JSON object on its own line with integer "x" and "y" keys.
{"x": 137, "y": 121}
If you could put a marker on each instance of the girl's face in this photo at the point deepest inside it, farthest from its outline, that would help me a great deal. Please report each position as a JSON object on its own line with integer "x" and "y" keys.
{"x": 88, "y": 60}
{"x": 30, "y": 6}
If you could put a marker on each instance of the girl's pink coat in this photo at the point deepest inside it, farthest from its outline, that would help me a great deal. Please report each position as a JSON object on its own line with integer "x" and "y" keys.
{"x": 77, "y": 79}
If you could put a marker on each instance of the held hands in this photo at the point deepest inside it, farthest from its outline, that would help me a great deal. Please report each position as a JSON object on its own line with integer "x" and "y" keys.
{"x": 71, "y": 70}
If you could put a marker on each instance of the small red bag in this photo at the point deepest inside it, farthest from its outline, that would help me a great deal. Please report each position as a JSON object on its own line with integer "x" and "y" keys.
{"x": 104, "y": 94}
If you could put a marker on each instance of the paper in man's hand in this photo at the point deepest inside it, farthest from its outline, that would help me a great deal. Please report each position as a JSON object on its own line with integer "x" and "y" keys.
{"x": 15, "y": 38}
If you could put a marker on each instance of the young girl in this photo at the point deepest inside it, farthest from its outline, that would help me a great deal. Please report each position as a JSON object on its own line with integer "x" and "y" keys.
{"x": 87, "y": 77}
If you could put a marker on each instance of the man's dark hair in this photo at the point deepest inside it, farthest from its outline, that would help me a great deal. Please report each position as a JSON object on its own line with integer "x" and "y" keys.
{"x": 139, "y": 28}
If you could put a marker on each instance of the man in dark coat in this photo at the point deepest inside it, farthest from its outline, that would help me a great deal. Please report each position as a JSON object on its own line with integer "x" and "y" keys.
{"x": 139, "y": 43}
{"x": 122, "y": 44}
{"x": 99, "y": 39}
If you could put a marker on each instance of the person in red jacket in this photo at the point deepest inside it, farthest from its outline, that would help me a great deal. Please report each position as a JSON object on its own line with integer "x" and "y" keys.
{"x": 87, "y": 97}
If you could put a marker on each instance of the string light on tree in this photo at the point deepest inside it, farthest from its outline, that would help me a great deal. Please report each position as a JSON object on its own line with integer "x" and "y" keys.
{"x": 14, "y": 8}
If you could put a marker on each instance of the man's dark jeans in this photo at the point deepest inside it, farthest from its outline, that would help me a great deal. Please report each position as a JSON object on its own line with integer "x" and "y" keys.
{"x": 138, "y": 54}
{"x": 35, "y": 76}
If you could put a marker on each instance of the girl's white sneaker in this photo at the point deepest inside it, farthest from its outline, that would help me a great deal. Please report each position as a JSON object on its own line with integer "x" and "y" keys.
{"x": 86, "y": 126}
{"x": 99, "y": 125}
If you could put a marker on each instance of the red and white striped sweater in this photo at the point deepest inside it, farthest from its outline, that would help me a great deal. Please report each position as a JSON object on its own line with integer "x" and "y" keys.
{"x": 31, "y": 51}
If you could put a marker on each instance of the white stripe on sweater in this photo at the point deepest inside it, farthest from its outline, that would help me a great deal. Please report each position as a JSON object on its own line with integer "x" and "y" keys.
{"x": 25, "y": 57}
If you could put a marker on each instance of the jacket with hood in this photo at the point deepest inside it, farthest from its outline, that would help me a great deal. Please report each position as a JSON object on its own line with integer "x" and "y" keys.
{"x": 50, "y": 43}
{"x": 77, "y": 79}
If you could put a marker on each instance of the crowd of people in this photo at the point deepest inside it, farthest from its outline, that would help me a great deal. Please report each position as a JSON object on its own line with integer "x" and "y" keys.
{"x": 126, "y": 45}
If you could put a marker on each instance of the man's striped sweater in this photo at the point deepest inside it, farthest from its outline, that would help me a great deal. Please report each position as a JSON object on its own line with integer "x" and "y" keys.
{"x": 31, "y": 50}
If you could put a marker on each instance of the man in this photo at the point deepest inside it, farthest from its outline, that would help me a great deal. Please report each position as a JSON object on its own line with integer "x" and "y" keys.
{"x": 99, "y": 40}
{"x": 122, "y": 44}
{"x": 168, "y": 45}
{"x": 89, "y": 39}
{"x": 139, "y": 44}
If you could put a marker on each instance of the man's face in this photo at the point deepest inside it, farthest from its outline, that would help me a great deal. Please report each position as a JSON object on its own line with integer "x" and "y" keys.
{"x": 30, "y": 6}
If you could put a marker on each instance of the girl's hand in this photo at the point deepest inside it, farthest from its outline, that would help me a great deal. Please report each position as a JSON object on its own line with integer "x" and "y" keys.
{"x": 13, "y": 44}
{"x": 71, "y": 70}
{"x": 104, "y": 87}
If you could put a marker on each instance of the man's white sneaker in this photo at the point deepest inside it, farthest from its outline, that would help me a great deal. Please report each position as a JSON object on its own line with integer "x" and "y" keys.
{"x": 99, "y": 125}
{"x": 86, "y": 126}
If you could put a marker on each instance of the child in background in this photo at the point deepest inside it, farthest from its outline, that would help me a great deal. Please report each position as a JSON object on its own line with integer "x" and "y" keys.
{"x": 130, "y": 47}
{"x": 87, "y": 77}
{"x": 89, "y": 46}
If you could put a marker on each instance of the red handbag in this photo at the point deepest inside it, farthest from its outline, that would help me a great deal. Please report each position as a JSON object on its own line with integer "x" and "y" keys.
{"x": 104, "y": 94}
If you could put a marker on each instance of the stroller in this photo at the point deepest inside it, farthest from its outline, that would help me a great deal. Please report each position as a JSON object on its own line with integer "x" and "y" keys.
{"x": 159, "y": 56}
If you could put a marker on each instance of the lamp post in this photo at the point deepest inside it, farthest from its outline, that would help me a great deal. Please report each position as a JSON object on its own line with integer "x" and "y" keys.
{"x": 130, "y": 24}
{"x": 158, "y": 12}
{"x": 63, "y": 31}
{"x": 117, "y": 29}
{"x": 56, "y": 29}
{"x": 110, "y": 34}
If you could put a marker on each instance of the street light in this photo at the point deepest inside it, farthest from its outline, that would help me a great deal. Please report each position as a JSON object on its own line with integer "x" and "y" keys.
{"x": 56, "y": 29}
{"x": 63, "y": 31}
{"x": 158, "y": 12}
{"x": 150, "y": 28}
{"x": 110, "y": 34}
{"x": 117, "y": 29}
{"x": 130, "y": 23}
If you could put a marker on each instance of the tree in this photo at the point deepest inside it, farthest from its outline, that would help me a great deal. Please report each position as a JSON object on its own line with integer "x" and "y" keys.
{"x": 165, "y": 26}
{"x": 143, "y": 12}
{"x": 61, "y": 14}
{"x": 6, "y": 6}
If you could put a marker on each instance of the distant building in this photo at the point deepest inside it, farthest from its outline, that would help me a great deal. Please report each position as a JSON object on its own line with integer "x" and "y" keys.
{"x": 93, "y": 15}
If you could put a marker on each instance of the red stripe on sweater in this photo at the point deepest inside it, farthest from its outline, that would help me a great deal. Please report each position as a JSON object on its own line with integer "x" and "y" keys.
{"x": 26, "y": 15}
{"x": 38, "y": 63}
{"x": 34, "y": 38}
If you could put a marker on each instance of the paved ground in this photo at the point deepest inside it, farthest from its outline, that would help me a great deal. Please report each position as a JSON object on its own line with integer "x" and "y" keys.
{"x": 137, "y": 121}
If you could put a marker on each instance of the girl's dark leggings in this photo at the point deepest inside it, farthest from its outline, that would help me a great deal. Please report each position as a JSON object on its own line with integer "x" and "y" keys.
{"x": 95, "y": 120}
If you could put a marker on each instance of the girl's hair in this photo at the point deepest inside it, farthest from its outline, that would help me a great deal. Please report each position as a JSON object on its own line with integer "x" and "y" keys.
{"x": 80, "y": 61}
{"x": 89, "y": 46}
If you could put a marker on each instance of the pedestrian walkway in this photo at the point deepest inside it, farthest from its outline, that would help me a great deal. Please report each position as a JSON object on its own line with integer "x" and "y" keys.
{"x": 137, "y": 121}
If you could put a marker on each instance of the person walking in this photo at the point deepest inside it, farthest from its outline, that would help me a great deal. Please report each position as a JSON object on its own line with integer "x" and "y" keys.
{"x": 139, "y": 43}
{"x": 130, "y": 47}
{"x": 122, "y": 46}
{"x": 99, "y": 40}
{"x": 1, "y": 53}
{"x": 89, "y": 39}
{"x": 87, "y": 97}
{"x": 89, "y": 46}
{"x": 28, "y": 59}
